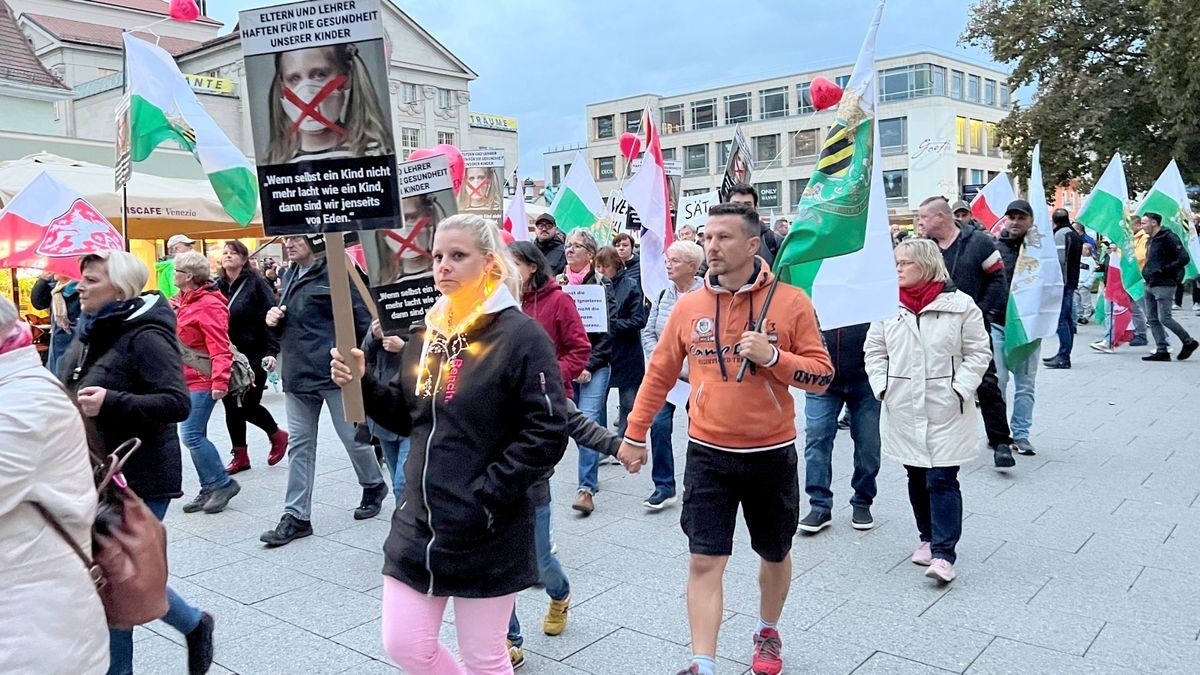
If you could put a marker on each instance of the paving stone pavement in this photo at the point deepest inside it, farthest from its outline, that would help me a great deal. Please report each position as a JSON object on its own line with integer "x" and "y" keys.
{"x": 1079, "y": 560}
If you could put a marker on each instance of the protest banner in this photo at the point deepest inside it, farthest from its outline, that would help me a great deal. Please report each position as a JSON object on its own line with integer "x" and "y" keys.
{"x": 693, "y": 210}
{"x": 399, "y": 261}
{"x": 483, "y": 187}
{"x": 740, "y": 164}
{"x": 317, "y": 81}
{"x": 592, "y": 304}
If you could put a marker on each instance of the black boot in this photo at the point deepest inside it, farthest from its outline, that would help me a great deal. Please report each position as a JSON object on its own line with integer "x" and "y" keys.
{"x": 372, "y": 501}
{"x": 200, "y": 646}
{"x": 290, "y": 527}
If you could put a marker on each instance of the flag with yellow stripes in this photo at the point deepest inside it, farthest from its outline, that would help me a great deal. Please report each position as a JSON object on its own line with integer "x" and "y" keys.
{"x": 831, "y": 217}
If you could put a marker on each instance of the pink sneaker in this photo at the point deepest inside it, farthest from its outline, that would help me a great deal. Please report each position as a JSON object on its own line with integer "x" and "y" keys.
{"x": 922, "y": 556}
{"x": 941, "y": 570}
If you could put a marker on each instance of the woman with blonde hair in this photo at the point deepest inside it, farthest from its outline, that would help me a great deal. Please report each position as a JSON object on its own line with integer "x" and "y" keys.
{"x": 482, "y": 400}
{"x": 925, "y": 364}
{"x": 323, "y": 105}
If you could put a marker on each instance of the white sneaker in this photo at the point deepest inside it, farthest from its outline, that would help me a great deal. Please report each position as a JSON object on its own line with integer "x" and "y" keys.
{"x": 1102, "y": 347}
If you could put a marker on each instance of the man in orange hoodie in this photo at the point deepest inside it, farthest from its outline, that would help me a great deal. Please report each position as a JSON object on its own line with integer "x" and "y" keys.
{"x": 741, "y": 437}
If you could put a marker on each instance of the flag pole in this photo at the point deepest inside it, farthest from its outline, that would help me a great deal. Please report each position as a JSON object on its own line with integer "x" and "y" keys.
{"x": 758, "y": 325}
{"x": 125, "y": 216}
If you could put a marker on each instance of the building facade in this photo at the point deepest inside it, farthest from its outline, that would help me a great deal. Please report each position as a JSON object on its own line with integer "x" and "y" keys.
{"x": 79, "y": 42}
{"x": 937, "y": 118}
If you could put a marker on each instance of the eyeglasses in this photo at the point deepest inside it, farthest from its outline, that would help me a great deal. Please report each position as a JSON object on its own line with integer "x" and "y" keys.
{"x": 575, "y": 246}
{"x": 905, "y": 263}
{"x": 676, "y": 261}
{"x": 543, "y": 225}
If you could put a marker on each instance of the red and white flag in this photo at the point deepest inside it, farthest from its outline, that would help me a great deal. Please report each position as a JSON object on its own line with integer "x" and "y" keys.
{"x": 516, "y": 222}
{"x": 1118, "y": 313}
{"x": 48, "y": 226}
{"x": 989, "y": 205}
{"x": 647, "y": 192}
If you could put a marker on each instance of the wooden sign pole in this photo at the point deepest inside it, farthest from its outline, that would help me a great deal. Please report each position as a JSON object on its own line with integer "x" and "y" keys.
{"x": 343, "y": 322}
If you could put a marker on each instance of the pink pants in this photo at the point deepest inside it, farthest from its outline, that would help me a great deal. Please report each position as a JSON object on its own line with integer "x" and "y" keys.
{"x": 412, "y": 621}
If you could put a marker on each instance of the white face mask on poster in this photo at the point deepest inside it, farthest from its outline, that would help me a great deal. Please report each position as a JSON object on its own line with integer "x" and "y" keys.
{"x": 332, "y": 107}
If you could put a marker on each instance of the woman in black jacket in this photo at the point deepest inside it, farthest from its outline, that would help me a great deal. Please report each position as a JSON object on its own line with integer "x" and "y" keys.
{"x": 591, "y": 387}
{"x": 480, "y": 395}
{"x": 57, "y": 293}
{"x": 125, "y": 369}
{"x": 249, "y": 296}
{"x": 628, "y": 362}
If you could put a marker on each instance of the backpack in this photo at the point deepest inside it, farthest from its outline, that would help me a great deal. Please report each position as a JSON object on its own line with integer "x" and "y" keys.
{"x": 241, "y": 375}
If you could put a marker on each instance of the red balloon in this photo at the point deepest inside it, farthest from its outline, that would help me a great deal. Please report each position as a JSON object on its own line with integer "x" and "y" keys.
{"x": 631, "y": 145}
{"x": 454, "y": 158}
{"x": 184, "y": 10}
{"x": 824, "y": 93}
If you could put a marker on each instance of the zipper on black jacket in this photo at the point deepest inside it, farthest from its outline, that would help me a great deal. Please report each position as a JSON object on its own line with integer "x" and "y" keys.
{"x": 424, "y": 481}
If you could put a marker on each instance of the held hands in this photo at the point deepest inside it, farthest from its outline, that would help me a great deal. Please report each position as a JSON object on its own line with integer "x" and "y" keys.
{"x": 756, "y": 347}
{"x": 339, "y": 370}
{"x": 91, "y": 399}
{"x": 633, "y": 457}
{"x": 275, "y": 315}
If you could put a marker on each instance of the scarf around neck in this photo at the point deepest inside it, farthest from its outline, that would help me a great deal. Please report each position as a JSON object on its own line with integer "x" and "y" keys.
{"x": 918, "y": 297}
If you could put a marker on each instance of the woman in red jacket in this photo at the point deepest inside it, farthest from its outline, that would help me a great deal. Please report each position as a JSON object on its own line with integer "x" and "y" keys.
{"x": 543, "y": 299}
{"x": 202, "y": 321}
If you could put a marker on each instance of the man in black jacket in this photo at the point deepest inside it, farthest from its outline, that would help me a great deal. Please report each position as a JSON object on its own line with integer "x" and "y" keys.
{"x": 1166, "y": 259}
{"x": 303, "y": 322}
{"x": 850, "y": 388}
{"x": 550, "y": 242}
{"x": 1070, "y": 252}
{"x": 976, "y": 269}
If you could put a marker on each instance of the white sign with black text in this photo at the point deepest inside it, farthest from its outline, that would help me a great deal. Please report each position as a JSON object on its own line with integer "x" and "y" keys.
{"x": 592, "y": 304}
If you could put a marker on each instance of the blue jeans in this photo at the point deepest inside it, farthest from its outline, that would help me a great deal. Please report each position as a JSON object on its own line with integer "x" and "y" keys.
{"x": 303, "y": 415}
{"x": 820, "y": 428}
{"x": 194, "y": 432}
{"x": 937, "y": 505}
{"x": 395, "y": 453}
{"x": 549, "y": 570}
{"x": 180, "y": 615}
{"x": 1024, "y": 382}
{"x": 593, "y": 403}
{"x": 662, "y": 468}
{"x": 1066, "y": 326}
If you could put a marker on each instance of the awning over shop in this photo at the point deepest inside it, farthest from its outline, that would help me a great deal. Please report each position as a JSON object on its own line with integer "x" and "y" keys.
{"x": 158, "y": 207}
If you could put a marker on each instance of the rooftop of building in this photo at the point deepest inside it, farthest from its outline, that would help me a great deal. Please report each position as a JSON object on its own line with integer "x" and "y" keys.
{"x": 160, "y": 7}
{"x": 80, "y": 32}
{"x": 18, "y": 63}
{"x": 883, "y": 61}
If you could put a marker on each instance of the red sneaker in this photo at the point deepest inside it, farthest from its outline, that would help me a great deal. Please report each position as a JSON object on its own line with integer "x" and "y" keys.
{"x": 767, "y": 648}
{"x": 279, "y": 441}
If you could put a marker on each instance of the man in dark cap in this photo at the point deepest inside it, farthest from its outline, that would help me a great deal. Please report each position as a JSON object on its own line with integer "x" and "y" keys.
{"x": 550, "y": 242}
{"x": 1024, "y": 373}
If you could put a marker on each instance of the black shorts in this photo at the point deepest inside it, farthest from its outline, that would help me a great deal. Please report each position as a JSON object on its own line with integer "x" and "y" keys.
{"x": 766, "y": 485}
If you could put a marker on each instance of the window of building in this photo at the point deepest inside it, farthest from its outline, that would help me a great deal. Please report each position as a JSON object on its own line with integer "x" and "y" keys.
{"x": 555, "y": 175}
{"x": 566, "y": 169}
{"x": 961, "y": 133}
{"x": 696, "y": 191}
{"x": 796, "y": 190}
{"x": 895, "y": 185}
{"x": 443, "y": 98}
{"x": 446, "y": 137}
{"x": 989, "y": 92}
{"x": 1005, "y": 100}
{"x": 766, "y": 148}
{"x": 905, "y": 82}
{"x": 768, "y": 195}
{"x": 977, "y": 176}
{"x": 604, "y": 126}
{"x": 409, "y": 91}
{"x": 668, "y": 154}
{"x": 977, "y": 142}
{"x": 672, "y": 119}
{"x": 737, "y": 108}
{"x": 773, "y": 102}
{"x": 938, "y": 77}
{"x": 410, "y": 140}
{"x": 723, "y": 150}
{"x": 633, "y": 121}
{"x": 991, "y": 175}
{"x": 973, "y": 85}
{"x": 804, "y": 102}
{"x": 695, "y": 159}
{"x": 962, "y": 179}
{"x": 805, "y": 145}
{"x": 993, "y": 149}
{"x": 704, "y": 114}
{"x": 842, "y": 80}
{"x": 606, "y": 168}
{"x": 956, "y": 84}
{"x": 893, "y": 136}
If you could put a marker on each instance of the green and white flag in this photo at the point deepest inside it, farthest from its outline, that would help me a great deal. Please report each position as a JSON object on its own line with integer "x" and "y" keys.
{"x": 1036, "y": 291}
{"x": 1106, "y": 211}
{"x": 578, "y": 203}
{"x": 164, "y": 107}
{"x": 1169, "y": 199}
{"x": 831, "y": 218}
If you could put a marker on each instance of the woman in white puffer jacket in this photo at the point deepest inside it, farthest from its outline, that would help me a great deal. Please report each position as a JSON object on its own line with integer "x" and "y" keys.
{"x": 925, "y": 364}
{"x": 51, "y": 619}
